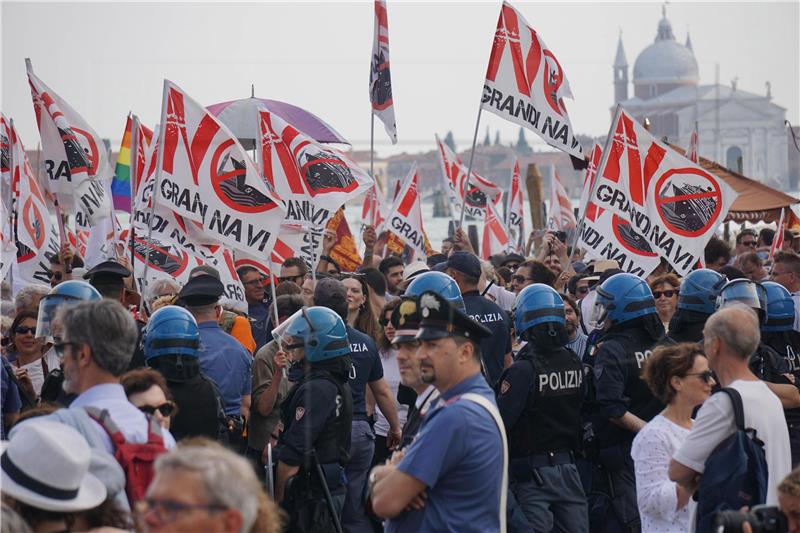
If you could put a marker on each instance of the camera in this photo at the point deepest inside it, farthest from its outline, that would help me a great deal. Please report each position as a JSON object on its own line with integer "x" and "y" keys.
{"x": 762, "y": 519}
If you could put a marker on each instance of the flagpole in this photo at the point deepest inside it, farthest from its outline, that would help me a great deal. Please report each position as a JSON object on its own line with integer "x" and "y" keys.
{"x": 373, "y": 205}
{"x": 313, "y": 254}
{"x": 154, "y": 193}
{"x": 593, "y": 186}
{"x": 12, "y": 227}
{"x": 134, "y": 159}
{"x": 469, "y": 169}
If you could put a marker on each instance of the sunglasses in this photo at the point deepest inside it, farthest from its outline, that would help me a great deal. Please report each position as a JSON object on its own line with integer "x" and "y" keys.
{"x": 668, "y": 294}
{"x": 707, "y": 376}
{"x": 581, "y": 290}
{"x": 60, "y": 346}
{"x": 291, "y": 278}
{"x": 21, "y": 330}
{"x": 290, "y": 347}
{"x": 256, "y": 282}
{"x": 520, "y": 279}
{"x": 55, "y": 275}
{"x": 384, "y": 321}
{"x": 749, "y": 243}
{"x": 166, "y": 409}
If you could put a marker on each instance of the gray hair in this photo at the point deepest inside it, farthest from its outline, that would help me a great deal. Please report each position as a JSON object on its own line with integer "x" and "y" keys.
{"x": 26, "y": 295}
{"x": 228, "y": 480}
{"x": 737, "y": 326}
{"x": 106, "y": 327}
{"x": 159, "y": 287}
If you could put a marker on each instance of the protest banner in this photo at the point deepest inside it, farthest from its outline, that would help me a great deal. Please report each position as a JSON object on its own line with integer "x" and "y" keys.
{"x": 471, "y": 200}
{"x": 75, "y": 157}
{"x": 380, "y": 78}
{"x": 605, "y": 236}
{"x": 777, "y": 239}
{"x": 496, "y": 237}
{"x": 525, "y": 83}
{"x": 405, "y": 215}
{"x": 345, "y": 251}
{"x": 561, "y": 215}
{"x": 673, "y": 203}
{"x": 206, "y": 176}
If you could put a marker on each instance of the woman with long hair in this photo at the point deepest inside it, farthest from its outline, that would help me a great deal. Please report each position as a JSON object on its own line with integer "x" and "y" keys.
{"x": 27, "y": 355}
{"x": 359, "y": 309}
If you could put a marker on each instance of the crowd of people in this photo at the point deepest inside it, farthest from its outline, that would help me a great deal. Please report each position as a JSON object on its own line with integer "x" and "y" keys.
{"x": 531, "y": 392}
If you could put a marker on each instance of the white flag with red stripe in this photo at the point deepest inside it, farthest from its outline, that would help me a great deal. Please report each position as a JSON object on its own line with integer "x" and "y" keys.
{"x": 206, "y": 176}
{"x": 314, "y": 180}
{"x": 36, "y": 234}
{"x": 75, "y": 158}
{"x": 561, "y": 215}
{"x": 374, "y": 210}
{"x": 496, "y": 237}
{"x": 405, "y": 215}
{"x": 691, "y": 150}
{"x": 777, "y": 239}
{"x": 380, "y": 78}
{"x": 674, "y": 203}
{"x": 480, "y": 190}
{"x": 606, "y": 236}
{"x": 515, "y": 216}
{"x": 526, "y": 85}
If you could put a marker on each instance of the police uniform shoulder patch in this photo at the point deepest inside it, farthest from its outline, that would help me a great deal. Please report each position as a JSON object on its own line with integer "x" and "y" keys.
{"x": 505, "y": 386}
{"x": 299, "y": 412}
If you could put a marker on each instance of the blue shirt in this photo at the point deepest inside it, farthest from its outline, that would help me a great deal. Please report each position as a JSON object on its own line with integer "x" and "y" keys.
{"x": 495, "y": 347}
{"x": 128, "y": 418}
{"x": 9, "y": 396}
{"x": 259, "y": 323}
{"x": 369, "y": 368}
{"x": 227, "y": 363}
{"x": 458, "y": 454}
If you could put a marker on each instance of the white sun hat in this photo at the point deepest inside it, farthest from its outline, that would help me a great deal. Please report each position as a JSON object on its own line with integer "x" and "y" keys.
{"x": 46, "y": 465}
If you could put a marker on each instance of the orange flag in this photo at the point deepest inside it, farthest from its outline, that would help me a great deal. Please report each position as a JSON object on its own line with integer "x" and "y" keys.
{"x": 345, "y": 251}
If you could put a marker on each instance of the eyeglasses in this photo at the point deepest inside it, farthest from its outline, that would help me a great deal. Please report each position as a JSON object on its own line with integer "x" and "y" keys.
{"x": 290, "y": 347}
{"x": 520, "y": 279}
{"x": 668, "y": 294}
{"x": 21, "y": 330}
{"x": 255, "y": 282}
{"x": 582, "y": 290}
{"x": 166, "y": 409}
{"x": 291, "y": 278}
{"x": 707, "y": 376}
{"x": 168, "y": 510}
{"x": 55, "y": 275}
{"x": 59, "y": 347}
{"x": 751, "y": 244}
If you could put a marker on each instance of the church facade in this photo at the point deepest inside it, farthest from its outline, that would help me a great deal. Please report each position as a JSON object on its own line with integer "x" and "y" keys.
{"x": 741, "y": 130}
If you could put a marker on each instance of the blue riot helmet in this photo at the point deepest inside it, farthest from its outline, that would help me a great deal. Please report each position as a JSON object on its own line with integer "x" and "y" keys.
{"x": 780, "y": 308}
{"x": 437, "y": 282}
{"x": 745, "y": 292}
{"x": 68, "y": 293}
{"x": 322, "y": 332}
{"x": 538, "y": 304}
{"x": 699, "y": 291}
{"x": 621, "y": 298}
{"x": 171, "y": 330}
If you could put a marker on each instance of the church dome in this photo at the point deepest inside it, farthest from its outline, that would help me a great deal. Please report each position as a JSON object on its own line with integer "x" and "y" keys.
{"x": 666, "y": 60}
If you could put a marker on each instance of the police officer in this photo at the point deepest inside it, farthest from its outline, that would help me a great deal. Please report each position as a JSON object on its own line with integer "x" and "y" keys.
{"x": 625, "y": 310}
{"x": 465, "y": 269}
{"x": 697, "y": 300}
{"x": 449, "y": 478}
{"x": 65, "y": 294}
{"x": 779, "y": 334}
{"x": 437, "y": 282}
{"x": 171, "y": 347}
{"x": 539, "y": 397}
{"x": 223, "y": 359}
{"x": 316, "y": 417}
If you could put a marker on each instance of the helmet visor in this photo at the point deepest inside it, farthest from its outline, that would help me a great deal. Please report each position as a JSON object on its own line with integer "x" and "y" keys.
{"x": 280, "y": 333}
{"x": 597, "y": 316}
{"x": 47, "y": 327}
{"x": 744, "y": 293}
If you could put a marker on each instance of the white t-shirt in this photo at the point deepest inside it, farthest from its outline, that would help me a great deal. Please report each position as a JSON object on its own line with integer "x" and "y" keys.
{"x": 503, "y": 297}
{"x": 656, "y": 494}
{"x": 391, "y": 373}
{"x": 762, "y": 412}
{"x": 37, "y": 370}
{"x": 796, "y": 298}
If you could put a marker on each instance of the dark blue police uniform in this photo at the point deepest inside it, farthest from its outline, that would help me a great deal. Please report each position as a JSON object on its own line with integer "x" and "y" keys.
{"x": 259, "y": 323}
{"x": 494, "y": 348}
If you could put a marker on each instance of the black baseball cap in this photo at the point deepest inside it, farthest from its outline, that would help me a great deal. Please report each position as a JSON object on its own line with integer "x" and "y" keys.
{"x": 466, "y": 263}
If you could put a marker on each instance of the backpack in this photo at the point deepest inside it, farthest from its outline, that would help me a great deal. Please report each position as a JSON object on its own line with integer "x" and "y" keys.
{"x": 137, "y": 460}
{"x": 735, "y": 473}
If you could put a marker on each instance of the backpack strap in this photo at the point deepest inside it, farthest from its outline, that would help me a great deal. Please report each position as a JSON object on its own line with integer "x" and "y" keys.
{"x": 738, "y": 410}
{"x": 103, "y": 418}
{"x": 154, "y": 434}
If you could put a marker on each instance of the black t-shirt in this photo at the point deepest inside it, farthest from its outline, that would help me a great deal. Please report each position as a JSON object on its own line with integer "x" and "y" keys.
{"x": 199, "y": 408}
{"x": 368, "y": 367}
{"x": 495, "y": 347}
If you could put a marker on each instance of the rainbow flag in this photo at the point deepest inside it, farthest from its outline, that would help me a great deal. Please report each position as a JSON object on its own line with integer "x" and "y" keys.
{"x": 121, "y": 184}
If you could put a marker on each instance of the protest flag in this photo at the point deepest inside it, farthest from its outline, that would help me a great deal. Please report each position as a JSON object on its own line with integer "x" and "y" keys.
{"x": 496, "y": 237}
{"x": 205, "y": 175}
{"x": 405, "y": 215}
{"x": 75, "y": 157}
{"x": 515, "y": 218}
{"x": 470, "y": 196}
{"x": 525, "y": 83}
{"x": 122, "y": 186}
{"x": 380, "y": 79}
{"x": 345, "y": 251}
{"x": 777, "y": 239}
{"x": 604, "y": 235}
{"x": 561, "y": 215}
{"x": 674, "y": 203}
{"x": 691, "y": 150}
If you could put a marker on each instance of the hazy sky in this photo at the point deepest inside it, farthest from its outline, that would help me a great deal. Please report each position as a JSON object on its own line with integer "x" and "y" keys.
{"x": 109, "y": 58}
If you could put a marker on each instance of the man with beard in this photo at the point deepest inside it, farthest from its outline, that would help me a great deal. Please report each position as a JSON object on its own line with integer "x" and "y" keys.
{"x": 779, "y": 334}
{"x": 257, "y": 308}
{"x": 577, "y": 338}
